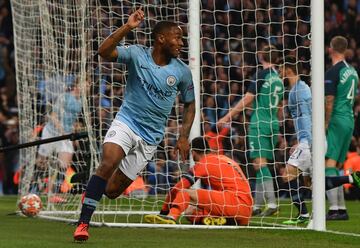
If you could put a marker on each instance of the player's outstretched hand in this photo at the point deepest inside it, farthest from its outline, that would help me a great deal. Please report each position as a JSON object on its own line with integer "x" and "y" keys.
{"x": 182, "y": 145}
{"x": 223, "y": 121}
{"x": 136, "y": 18}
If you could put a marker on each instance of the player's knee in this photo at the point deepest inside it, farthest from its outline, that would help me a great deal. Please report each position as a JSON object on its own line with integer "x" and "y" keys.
{"x": 190, "y": 195}
{"x": 259, "y": 162}
{"x": 291, "y": 173}
{"x": 112, "y": 196}
{"x": 105, "y": 169}
{"x": 111, "y": 193}
{"x": 257, "y": 167}
{"x": 287, "y": 177}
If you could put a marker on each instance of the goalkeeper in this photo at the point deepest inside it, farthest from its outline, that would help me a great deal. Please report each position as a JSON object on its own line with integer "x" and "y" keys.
{"x": 299, "y": 105}
{"x": 227, "y": 201}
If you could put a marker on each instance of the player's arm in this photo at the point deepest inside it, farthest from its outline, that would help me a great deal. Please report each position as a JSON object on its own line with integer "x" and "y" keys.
{"x": 304, "y": 110}
{"x": 53, "y": 115}
{"x": 331, "y": 77}
{"x": 107, "y": 48}
{"x": 186, "y": 88}
{"x": 188, "y": 118}
{"x": 329, "y": 104}
{"x": 280, "y": 113}
{"x": 182, "y": 144}
{"x": 224, "y": 131}
{"x": 56, "y": 122}
{"x": 239, "y": 107}
{"x": 185, "y": 183}
{"x": 199, "y": 170}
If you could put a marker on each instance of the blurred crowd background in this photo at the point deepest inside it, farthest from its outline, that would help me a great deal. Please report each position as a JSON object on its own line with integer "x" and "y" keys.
{"x": 232, "y": 32}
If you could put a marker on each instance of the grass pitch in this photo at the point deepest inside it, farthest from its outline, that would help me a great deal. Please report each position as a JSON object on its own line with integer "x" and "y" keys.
{"x": 17, "y": 231}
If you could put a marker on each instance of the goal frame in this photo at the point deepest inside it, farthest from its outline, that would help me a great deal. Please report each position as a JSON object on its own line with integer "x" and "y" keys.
{"x": 318, "y": 127}
{"x": 318, "y": 149}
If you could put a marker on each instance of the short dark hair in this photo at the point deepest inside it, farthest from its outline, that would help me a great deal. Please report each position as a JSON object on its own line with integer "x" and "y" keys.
{"x": 270, "y": 54}
{"x": 200, "y": 144}
{"x": 292, "y": 63}
{"x": 339, "y": 44}
{"x": 161, "y": 27}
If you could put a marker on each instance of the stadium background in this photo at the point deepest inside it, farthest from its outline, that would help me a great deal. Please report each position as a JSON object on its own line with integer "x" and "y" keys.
{"x": 220, "y": 74}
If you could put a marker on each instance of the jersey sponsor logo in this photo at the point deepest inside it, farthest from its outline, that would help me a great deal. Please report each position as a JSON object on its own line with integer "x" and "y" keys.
{"x": 111, "y": 134}
{"x": 171, "y": 80}
{"x": 154, "y": 91}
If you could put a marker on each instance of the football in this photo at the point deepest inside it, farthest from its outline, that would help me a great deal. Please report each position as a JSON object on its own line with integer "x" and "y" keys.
{"x": 30, "y": 205}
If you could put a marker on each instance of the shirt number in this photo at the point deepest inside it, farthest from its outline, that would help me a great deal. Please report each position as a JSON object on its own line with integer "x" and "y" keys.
{"x": 275, "y": 96}
{"x": 351, "y": 92}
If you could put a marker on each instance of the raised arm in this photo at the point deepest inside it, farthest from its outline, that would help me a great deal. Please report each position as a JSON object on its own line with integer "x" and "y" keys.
{"x": 182, "y": 144}
{"x": 107, "y": 48}
{"x": 239, "y": 107}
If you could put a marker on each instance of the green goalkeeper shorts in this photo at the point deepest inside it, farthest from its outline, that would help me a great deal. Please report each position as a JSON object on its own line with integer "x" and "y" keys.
{"x": 338, "y": 139}
{"x": 262, "y": 144}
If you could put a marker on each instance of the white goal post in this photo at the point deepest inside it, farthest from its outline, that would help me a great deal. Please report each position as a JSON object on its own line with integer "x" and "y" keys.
{"x": 317, "y": 64}
{"x": 56, "y": 54}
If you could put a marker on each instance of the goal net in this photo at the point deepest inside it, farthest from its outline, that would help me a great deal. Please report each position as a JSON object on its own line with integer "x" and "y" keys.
{"x": 56, "y": 60}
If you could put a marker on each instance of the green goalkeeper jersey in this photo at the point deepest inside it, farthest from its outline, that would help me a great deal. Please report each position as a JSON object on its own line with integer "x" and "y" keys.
{"x": 268, "y": 90}
{"x": 341, "y": 81}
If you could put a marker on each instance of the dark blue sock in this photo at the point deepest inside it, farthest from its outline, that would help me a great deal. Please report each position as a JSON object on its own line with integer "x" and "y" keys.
{"x": 94, "y": 191}
{"x": 297, "y": 196}
{"x": 334, "y": 182}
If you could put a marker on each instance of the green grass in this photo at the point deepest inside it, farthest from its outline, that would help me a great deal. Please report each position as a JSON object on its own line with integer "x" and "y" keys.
{"x": 17, "y": 231}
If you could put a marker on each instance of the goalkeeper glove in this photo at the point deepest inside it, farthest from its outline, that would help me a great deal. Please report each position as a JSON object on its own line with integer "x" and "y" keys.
{"x": 164, "y": 212}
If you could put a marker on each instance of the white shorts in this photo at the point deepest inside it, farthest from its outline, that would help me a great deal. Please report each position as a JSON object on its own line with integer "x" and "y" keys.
{"x": 55, "y": 147}
{"x": 301, "y": 158}
{"x": 137, "y": 151}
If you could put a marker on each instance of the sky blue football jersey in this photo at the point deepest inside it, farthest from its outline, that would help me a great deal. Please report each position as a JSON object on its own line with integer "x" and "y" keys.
{"x": 151, "y": 91}
{"x": 300, "y": 109}
{"x": 67, "y": 108}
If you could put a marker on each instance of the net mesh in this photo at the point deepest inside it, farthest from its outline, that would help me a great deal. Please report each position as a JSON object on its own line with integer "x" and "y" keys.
{"x": 56, "y": 51}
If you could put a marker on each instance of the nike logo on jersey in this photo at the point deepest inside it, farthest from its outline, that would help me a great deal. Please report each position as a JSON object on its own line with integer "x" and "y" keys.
{"x": 144, "y": 67}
